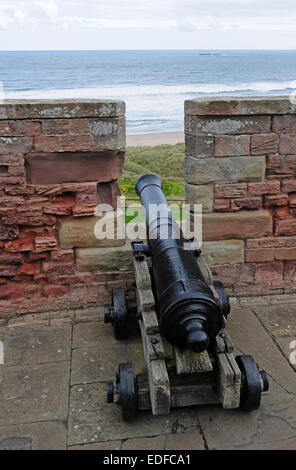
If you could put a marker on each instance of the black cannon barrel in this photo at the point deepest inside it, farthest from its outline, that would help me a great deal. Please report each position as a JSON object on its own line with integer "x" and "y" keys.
{"x": 189, "y": 315}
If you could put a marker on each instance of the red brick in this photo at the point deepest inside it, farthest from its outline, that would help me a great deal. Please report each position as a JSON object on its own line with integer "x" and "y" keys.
{"x": 30, "y": 269}
{"x": 272, "y": 271}
{"x": 280, "y": 173}
{"x": 287, "y": 145}
{"x": 264, "y": 144}
{"x": 289, "y": 186}
{"x": 79, "y": 126}
{"x": 290, "y": 271}
{"x": 32, "y": 257}
{"x": 19, "y": 128}
{"x": 284, "y": 124}
{"x": 252, "y": 244}
{"x": 288, "y": 254}
{"x": 57, "y": 209}
{"x": 286, "y": 226}
{"x": 11, "y": 292}
{"x": 14, "y": 191}
{"x": 22, "y": 244}
{"x": 55, "y": 126}
{"x": 86, "y": 199}
{"x": 227, "y": 274}
{"x": 268, "y": 187}
{"x": 230, "y": 190}
{"x": 89, "y": 188}
{"x": 9, "y": 233}
{"x": 29, "y": 210}
{"x": 83, "y": 211}
{"x": 53, "y": 290}
{"x": 5, "y": 180}
{"x": 15, "y": 145}
{"x": 248, "y": 203}
{"x": 11, "y": 258}
{"x": 62, "y": 255}
{"x": 260, "y": 255}
{"x": 281, "y": 161}
{"x": 231, "y": 145}
{"x": 42, "y": 220}
{"x": 247, "y": 272}
{"x": 108, "y": 193}
{"x": 8, "y": 270}
{"x": 79, "y": 278}
{"x": 292, "y": 200}
{"x": 222, "y": 205}
{"x": 276, "y": 200}
{"x": 57, "y": 267}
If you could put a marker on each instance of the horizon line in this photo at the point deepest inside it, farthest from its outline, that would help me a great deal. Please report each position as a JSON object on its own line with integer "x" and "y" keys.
{"x": 145, "y": 50}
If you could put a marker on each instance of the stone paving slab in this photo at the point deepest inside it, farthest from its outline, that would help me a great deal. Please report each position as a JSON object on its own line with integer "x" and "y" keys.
{"x": 279, "y": 320}
{"x": 31, "y": 393}
{"x": 276, "y": 418}
{"x": 34, "y": 383}
{"x": 250, "y": 337}
{"x": 185, "y": 441}
{"x": 34, "y": 436}
{"x": 145, "y": 443}
{"x": 96, "y": 365}
{"x": 37, "y": 344}
{"x": 110, "y": 445}
{"x": 92, "y": 419}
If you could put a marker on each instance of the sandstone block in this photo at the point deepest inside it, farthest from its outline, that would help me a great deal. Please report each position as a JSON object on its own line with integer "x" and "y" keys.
{"x": 64, "y": 109}
{"x": 223, "y": 252}
{"x": 228, "y": 169}
{"x": 289, "y": 186}
{"x": 268, "y": 187}
{"x": 264, "y": 144}
{"x": 269, "y": 271}
{"x": 80, "y": 232}
{"x": 238, "y": 225}
{"x": 288, "y": 254}
{"x": 239, "y": 106}
{"x": 54, "y": 168}
{"x": 199, "y": 146}
{"x": 202, "y": 126}
{"x": 228, "y": 145}
{"x": 104, "y": 259}
{"x": 200, "y": 195}
{"x": 287, "y": 144}
{"x": 284, "y": 124}
{"x": 231, "y": 190}
{"x": 260, "y": 255}
{"x": 14, "y": 145}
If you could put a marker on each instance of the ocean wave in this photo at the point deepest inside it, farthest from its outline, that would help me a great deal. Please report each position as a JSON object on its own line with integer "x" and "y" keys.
{"x": 130, "y": 91}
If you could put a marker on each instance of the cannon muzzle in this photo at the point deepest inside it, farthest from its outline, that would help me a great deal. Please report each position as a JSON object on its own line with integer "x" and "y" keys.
{"x": 189, "y": 315}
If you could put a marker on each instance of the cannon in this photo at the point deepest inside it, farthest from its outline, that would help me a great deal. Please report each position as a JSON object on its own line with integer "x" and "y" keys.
{"x": 182, "y": 314}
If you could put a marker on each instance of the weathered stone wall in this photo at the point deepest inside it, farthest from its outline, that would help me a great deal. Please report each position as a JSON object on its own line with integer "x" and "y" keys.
{"x": 241, "y": 165}
{"x": 58, "y": 160}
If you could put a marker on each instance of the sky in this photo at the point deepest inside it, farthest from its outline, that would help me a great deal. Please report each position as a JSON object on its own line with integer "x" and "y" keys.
{"x": 147, "y": 24}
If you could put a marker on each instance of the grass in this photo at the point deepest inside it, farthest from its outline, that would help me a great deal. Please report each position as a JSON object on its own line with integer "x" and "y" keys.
{"x": 166, "y": 161}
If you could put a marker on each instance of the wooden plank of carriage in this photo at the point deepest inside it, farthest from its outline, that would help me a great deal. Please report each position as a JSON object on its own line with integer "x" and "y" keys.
{"x": 189, "y": 362}
{"x": 184, "y": 390}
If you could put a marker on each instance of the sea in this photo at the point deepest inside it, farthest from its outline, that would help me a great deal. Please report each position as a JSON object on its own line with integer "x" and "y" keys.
{"x": 154, "y": 84}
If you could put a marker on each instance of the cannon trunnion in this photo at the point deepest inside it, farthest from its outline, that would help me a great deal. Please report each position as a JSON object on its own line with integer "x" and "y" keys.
{"x": 182, "y": 314}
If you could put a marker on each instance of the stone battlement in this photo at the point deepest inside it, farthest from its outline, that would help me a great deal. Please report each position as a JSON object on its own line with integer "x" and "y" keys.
{"x": 241, "y": 165}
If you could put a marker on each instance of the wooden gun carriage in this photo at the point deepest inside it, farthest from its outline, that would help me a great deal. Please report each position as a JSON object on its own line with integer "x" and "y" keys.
{"x": 182, "y": 316}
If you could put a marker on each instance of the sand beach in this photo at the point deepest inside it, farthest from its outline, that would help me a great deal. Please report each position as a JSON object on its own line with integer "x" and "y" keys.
{"x": 154, "y": 139}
